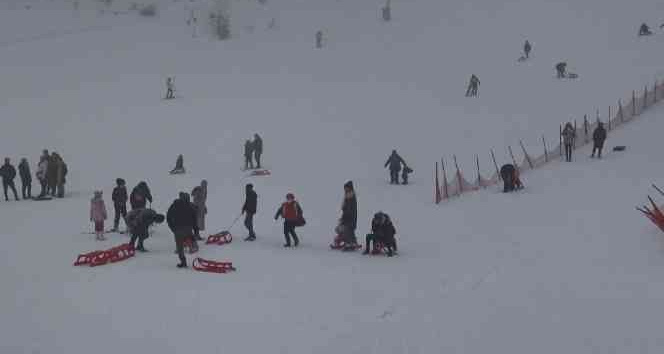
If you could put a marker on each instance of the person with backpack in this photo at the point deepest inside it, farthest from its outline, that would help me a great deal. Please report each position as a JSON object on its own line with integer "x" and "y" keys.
{"x": 119, "y": 198}
{"x": 599, "y": 136}
{"x": 140, "y": 196}
{"x": 394, "y": 162}
{"x": 349, "y": 216}
{"x": 383, "y": 232}
{"x": 199, "y": 195}
{"x": 26, "y": 178}
{"x": 181, "y": 219}
{"x": 249, "y": 210}
{"x": 569, "y": 134}
{"x": 8, "y": 173}
{"x": 138, "y": 225}
{"x": 258, "y": 149}
{"x": 291, "y": 211}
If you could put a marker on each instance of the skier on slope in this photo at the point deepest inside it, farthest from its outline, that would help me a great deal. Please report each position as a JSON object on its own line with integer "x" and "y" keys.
{"x": 119, "y": 198}
{"x": 249, "y": 210}
{"x": 383, "y": 232}
{"x": 394, "y": 162}
{"x": 599, "y": 136}
{"x": 140, "y": 196}
{"x": 181, "y": 218}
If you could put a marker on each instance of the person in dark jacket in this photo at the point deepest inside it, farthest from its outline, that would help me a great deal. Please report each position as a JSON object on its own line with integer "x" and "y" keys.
{"x": 119, "y": 203}
{"x": 599, "y": 136}
{"x": 258, "y": 149}
{"x": 473, "y": 85}
{"x": 569, "y": 137}
{"x": 507, "y": 172}
{"x": 138, "y": 225}
{"x": 181, "y": 218}
{"x": 561, "y": 69}
{"x": 41, "y": 175}
{"x": 248, "y": 155}
{"x": 394, "y": 162}
{"x": 179, "y": 165}
{"x": 61, "y": 174}
{"x": 527, "y": 48}
{"x": 249, "y": 210}
{"x": 140, "y": 196}
{"x": 26, "y": 178}
{"x": 349, "y": 216}
{"x": 8, "y": 173}
{"x": 404, "y": 174}
{"x": 383, "y": 231}
{"x": 291, "y": 211}
{"x": 644, "y": 30}
{"x": 52, "y": 174}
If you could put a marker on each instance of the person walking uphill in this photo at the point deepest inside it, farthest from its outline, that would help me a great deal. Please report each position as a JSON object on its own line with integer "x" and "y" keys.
{"x": 349, "y": 216}
{"x": 199, "y": 195}
{"x": 568, "y": 140}
{"x": 8, "y": 173}
{"x": 291, "y": 211}
{"x": 140, "y": 196}
{"x": 181, "y": 218}
{"x": 599, "y": 136}
{"x": 249, "y": 210}
{"x": 26, "y": 178}
{"x": 98, "y": 214}
{"x": 394, "y": 162}
{"x": 119, "y": 203}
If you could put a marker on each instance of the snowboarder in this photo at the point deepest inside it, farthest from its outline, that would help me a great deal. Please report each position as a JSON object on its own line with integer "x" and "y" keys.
{"x": 138, "y": 225}
{"x": 98, "y": 214}
{"x": 599, "y": 136}
{"x": 382, "y": 231}
{"x": 404, "y": 174}
{"x": 473, "y": 85}
{"x": 248, "y": 155}
{"x": 249, "y": 210}
{"x": 568, "y": 140}
{"x": 510, "y": 176}
{"x": 199, "y": 194}
{"x": 8, "y": 173}
{"x": 140, "y": 196}
{"x": 319, "y": 39}
{"x": 561, "y": 69}
{"x": 26, "y": 178}
{"x": 291, "y": 211}
{"x": 644, "y": 30}
{"x": 258, "y": 149}
{"x": 179, "y": 166}
{"x": 119, "y": 198}
{"x": 170, "y": 88}
{"x": 394, "y": 162}
{"x": 41, "y": 175}
{"x": 526, "y": 49}
{"x": 349, "y": 216}
{"x": 181, "y": 218}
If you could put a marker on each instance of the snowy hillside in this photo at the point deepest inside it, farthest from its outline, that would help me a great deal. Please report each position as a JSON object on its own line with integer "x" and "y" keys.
{"x": 565, "y": 266}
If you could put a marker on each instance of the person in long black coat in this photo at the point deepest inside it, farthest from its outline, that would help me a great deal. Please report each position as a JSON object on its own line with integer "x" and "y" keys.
{"x": 599, "y": 136}
{"x": 119, "y": 203}
{"x": 8, "y": 173}
{"x": 181, "y": 219}
{"x": 349, "y": 215}
{"x": 140, "y": 196}
{"x": 26, "y": 178}
{"x": 249, "y": 210}
{"x": 258, "y": 149}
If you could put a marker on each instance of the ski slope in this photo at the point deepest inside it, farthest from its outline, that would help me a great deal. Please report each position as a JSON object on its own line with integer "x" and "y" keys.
{"x": 565, "y": 266}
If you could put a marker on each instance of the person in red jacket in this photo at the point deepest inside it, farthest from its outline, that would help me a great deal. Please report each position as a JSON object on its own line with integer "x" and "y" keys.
{"x": 292, "y": 214}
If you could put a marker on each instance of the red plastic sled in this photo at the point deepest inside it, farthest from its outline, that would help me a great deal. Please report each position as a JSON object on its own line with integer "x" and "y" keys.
{"x": 86, "y": 258}
{"x": 112, "y": 255}
{"x": 260, "y": 173}
{"x": 339, "y": 244}
{"x": 204, "y": 265}
{"x": 120, "y": 253}
{"x": 221, "y": 238}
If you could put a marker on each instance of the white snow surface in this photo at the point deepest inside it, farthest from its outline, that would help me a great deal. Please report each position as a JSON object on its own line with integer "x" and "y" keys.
{"x": 565, "y": 266}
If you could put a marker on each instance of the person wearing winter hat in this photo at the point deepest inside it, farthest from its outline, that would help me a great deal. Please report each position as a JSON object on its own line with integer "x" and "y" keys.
{"x": 249, "y": 210}
{"x": 181, "y": 218}
{"x": 349, "y": 216}
{"x": 98, "y": 214}
{"x": 291, "y": 211}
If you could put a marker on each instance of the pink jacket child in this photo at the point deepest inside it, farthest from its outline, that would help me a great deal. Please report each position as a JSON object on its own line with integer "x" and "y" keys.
{"x": 98, "y": 214}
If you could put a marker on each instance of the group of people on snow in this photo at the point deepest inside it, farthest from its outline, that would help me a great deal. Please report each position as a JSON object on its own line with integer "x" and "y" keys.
{"x": 51, "y": 174}
{"x": 569, "y": 140}
{"x": 253, "y": 149}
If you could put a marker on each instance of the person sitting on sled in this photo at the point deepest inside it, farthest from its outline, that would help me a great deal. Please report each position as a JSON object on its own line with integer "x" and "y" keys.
{"x": 644, "y": 30}
{"x": 179, "y": 165}
{"x": 383, "y": 232}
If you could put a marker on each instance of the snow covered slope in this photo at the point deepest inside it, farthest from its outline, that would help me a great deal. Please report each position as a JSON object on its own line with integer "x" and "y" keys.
{"x": 565, "y": 266}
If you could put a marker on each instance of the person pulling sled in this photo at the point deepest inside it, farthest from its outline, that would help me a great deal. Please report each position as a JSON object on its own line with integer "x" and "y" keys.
{"x": 249, "y": 210}
{"x": 382, "y": 234}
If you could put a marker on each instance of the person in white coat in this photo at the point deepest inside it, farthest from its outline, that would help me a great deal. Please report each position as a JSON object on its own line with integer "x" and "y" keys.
{"x": 42, "y": 167}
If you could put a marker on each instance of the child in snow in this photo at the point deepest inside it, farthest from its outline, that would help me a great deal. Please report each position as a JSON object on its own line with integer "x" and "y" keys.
{"x": 404, "y": 174}
{"x": 98, "y": 214}
{"x": 291, "y": 211}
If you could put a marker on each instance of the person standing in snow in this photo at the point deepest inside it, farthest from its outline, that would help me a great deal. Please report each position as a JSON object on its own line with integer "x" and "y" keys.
{"x": 8, "y": 173}
{"x": 526, "y": 49}
{"x": 140, "y": 196}
{"x": 568, "y": 140}
{"x": 249, "y": 210}
{"x": 248, "y": 155}
{"x": 394, "y": 162}
{"x": 26, "y": 178}
{"x": 561, "y": 69}
{"x": 199, "y": 195}
{"x": 41, "y": 175}
{"x": 319, "y": 39}
{"x": 599, "y": 136}
{"x": 52, "y": 174}
{"x": 349, "y": 216}
{"x": 60, "y": 174}
{"x": 473, "y": 85}
{"x": 98, "y": 214}
{"x": 119, "y": 197}
{"x": 170, "y": 88}
{"x": 258, "y": 149}
{"x": 291, "y": 211}
{"x": 138, "y": 226}
{"x": 181, "y": 219}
